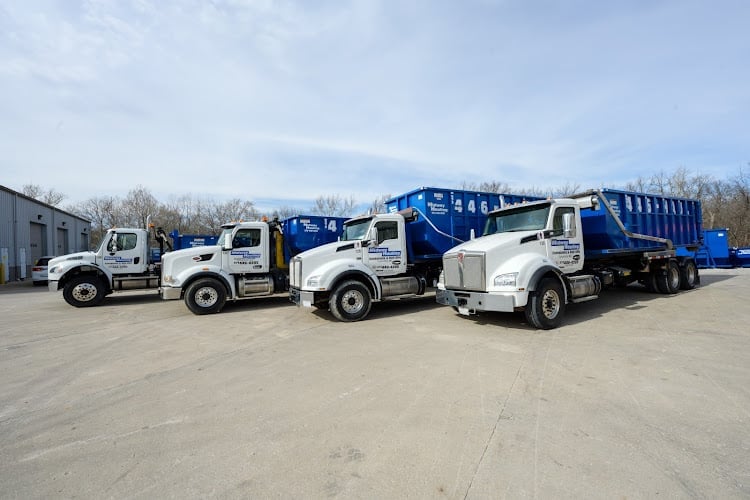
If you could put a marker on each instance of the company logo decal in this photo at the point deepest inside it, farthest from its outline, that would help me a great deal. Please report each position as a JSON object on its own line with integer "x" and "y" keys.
{"x": 117, "y": 260}
{"x": 245, "y": 254}
{"x": 384, "y": 252}
{"x": 567, "y": 245}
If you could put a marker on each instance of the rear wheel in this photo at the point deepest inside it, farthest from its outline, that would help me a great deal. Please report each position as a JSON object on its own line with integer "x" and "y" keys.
{"x": 546, "y": 305}
{"x": 205, "y": 296}
{"x": 84, "y": 291}
{"x": 350, "y": 301}
{"x": 650, "y": 281}
{"x": 669, "y": 281}
{"x": 689, "y": 275}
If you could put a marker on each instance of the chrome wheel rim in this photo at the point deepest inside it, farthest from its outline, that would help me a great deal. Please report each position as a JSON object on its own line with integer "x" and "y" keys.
{"x": 84, "y": 292}
{"x": 352, "y": 302}
{"x": 206, "y": 296}
{"x": 550, "y": 304}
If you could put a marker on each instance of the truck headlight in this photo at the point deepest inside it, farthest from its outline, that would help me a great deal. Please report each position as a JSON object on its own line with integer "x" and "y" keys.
{"x": 313, "y": 281}
{"x": 506, "y": 279}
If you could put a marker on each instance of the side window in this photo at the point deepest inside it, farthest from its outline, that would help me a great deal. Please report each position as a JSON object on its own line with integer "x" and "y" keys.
{"x": 122, "y": 241}
{"x": 557, "y": 221}
{"x": 246, "y": 238}
{"x": 387, "y": 231}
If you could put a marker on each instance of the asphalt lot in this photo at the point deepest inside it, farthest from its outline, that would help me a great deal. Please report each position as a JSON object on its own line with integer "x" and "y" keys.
{"x": 637, "y": 396}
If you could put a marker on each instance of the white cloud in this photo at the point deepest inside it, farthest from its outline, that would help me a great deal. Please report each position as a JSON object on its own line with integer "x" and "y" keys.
{"x": 295, "y": 99}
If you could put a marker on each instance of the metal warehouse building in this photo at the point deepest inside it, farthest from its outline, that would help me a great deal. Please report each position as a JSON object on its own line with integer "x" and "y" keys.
{"x": 30, "y": 229}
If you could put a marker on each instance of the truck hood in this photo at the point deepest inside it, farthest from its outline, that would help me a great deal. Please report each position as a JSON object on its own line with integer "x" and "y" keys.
{"x": 492, "y": 242}
{"x": 317, "y": 260}
{"x": 189, "y": 252}
{"x": 78, "y": 256}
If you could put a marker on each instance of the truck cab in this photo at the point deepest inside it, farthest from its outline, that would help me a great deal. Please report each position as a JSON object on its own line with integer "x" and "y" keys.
{"x": 369, "y": 263}
{"x": 120, "y": 263}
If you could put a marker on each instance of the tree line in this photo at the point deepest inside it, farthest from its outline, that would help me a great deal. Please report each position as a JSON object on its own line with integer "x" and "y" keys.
{"x": 725, "y": 203}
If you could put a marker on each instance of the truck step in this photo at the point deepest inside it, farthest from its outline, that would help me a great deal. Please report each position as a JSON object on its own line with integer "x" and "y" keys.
{"x": 584, "y": 299}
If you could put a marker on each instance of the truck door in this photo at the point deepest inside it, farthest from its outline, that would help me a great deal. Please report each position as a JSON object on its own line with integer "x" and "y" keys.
{"x": 388, "y": 256}
{"x": 124, "y": 253}
{"x": 249, "y": 253}
{"x": 566, "y": 252}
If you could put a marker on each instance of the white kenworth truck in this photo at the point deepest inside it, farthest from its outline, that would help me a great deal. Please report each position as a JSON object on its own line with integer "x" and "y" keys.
{"x": 537, "y": 257}
{"x": 123, "y": 261}
{"x": 251, "y": 259}
{"x": 389, "y": 256}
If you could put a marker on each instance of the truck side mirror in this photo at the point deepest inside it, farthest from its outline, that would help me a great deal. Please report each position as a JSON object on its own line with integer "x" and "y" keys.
{"x": 112, "y": 245}
{"x": 472, "y": 234}
{"x": 373, "y": 237}
{"x": 569, "y": 230}
{"x": 227, "y": 243}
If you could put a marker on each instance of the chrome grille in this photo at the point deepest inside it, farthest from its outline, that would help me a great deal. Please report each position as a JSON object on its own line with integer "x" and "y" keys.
{"x": 464, "y": 271}
{"x": 295, "y": 272}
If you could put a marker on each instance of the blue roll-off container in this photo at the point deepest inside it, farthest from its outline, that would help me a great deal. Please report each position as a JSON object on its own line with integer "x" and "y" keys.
{"x": 304, "y": 232}
{"x": 446, "y": 217}
{"x": 740, "y": 257}
{"x": 673, "y": 218}
{"x": 715, "y": 251}
{"x": 180, "y": 241}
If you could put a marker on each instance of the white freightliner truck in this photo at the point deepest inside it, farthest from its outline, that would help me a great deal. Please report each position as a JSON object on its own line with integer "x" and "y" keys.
{"x": 540, "y": 256}
{"x": 123, "y": 261}
{"x": 389, "y": 256}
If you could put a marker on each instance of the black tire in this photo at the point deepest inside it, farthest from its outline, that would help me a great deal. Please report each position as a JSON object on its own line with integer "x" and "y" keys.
{"x": 546, "y": 306}
{"x": 350, "y": 301}
{"x": 689, "y": 275}
{"x": 84, "y": 291}
{"x": 668, "y": 281}
{"x": 650, "y": 281}
{"x": 205, "y": 296}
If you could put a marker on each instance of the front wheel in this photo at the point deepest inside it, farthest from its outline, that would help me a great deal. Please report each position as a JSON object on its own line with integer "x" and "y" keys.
{"x": 350, "y": 301}
{"x": 546, "y": 306}
{"x": 205, "y": 296}
{"x": 84, "y": 291}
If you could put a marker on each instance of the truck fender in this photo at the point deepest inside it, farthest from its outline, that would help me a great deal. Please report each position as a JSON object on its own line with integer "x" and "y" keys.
{"x": 332, "y": 273}
{"x": 370, "y": 280}
{"x": 212, "y": 272}
{"x": 547, "y": 271}
{"x": 87, "y": 268}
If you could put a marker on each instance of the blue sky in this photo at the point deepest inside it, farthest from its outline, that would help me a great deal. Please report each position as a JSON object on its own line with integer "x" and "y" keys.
{"x": 280, "y": 102}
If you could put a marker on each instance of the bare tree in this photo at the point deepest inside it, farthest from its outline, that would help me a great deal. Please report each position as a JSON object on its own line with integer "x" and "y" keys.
{"x": 486, "y": 186}
{"x": 640, "y": 185}
{"x": 139, "y": 206}
{"x": 233, "y": 210}
{"x": 104, "y": 212}
{"x": 333, "y": 205}
{"x": 48, "y": 196}
{"x": 567, "y": 189}
{"x": 378, "y": 204}
{"x": 285, "y": 212}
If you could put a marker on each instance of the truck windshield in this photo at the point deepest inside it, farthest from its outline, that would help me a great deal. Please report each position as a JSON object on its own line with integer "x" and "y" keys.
{"x": 355, "y": 230}
{"x": 528, "y": 218}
